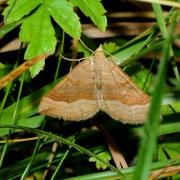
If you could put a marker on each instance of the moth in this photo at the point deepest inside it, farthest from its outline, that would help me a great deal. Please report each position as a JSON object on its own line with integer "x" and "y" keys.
{"x": 93, "y": 85}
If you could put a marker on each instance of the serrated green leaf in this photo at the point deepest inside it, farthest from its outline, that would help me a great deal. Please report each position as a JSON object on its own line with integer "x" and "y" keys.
{"x": 63, "y": 14}
{"x": 34, "y": 70}
{"x": 110, "y": 47}
{"x": 103, "y": 155}
{"x": 19, "y": 8}
{"x": 93, "y": 9}
{"x": 38, "y": 30}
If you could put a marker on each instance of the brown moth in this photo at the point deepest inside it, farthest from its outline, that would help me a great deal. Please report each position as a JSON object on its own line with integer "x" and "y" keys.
{"x": 93, "y": 85}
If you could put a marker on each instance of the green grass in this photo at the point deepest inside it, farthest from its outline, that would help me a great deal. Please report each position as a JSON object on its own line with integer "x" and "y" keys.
{"x": 149, "y": 147}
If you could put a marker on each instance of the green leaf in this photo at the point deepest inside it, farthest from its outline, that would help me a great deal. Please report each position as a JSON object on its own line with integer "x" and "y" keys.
{"x": 34, "y": 70}
{"x": 19, "y": 8}
{"x": 38, "y": 30}
{"x": 93, "y": 9}
{"x": 63, "y": 14}
{"x": 103, "y": 155}
{"x": 8, "y": 27}
{"x": 110, "y": 47}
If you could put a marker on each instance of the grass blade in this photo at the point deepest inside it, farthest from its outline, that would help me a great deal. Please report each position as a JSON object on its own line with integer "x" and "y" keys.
{"x": 148, "y": 143}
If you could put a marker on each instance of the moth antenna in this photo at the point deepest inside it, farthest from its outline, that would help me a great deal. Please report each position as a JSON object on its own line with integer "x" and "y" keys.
{"x": 114, "y": 57}
{"x": 71, "y": 59}
{"x": 86, "y": 46}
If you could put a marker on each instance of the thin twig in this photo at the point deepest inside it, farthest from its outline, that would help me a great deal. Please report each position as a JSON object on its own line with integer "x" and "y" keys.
{"x": 18, "y": 71}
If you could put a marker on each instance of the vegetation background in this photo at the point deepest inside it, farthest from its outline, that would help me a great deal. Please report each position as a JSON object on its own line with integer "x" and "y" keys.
{"x": 142, "y": 38}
